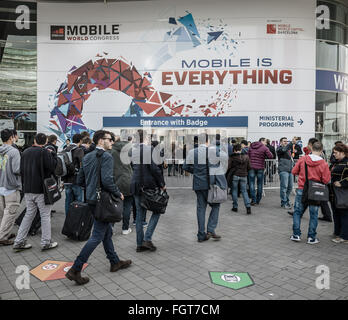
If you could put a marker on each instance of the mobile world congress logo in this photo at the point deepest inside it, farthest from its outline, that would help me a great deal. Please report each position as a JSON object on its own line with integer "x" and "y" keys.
{"x": 92, "y": 32}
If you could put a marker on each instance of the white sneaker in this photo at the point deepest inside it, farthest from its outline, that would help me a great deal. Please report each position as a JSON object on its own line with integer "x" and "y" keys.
{"x": 295, "y": 238}
{"x": 312, "y": 241}
{"x": 127, "y": 231}
{"x": 339, "y": 240}
{"x": 49, "y": 246}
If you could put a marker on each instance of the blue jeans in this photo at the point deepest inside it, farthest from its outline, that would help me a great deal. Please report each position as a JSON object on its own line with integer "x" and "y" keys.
{"x": 256, "y": 173}
{"x": 242, "y": 182}
{"x": 298, "y": 213}
{"x": 202, "y": 196}
{"x": 141, "y": 212}
{"x": 73, "y": 193}
{"x": 127, "y": 205}
{"x": 102, "y": 232}
{"x": 286, "y": 184}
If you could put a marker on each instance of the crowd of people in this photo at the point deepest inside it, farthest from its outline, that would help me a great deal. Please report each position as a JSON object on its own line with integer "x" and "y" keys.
{"x": 129, "y": 166}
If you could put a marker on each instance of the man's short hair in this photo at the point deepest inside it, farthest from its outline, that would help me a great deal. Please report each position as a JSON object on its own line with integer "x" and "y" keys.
{"x": 244, "y": 142}
{"x": 99, "y": 135}
{"x": 41, "y": 139}
{"x": 77, "y": 137}
{"x": 237, "y": 147}
{"x": 52, "y": 138}
{"x": 14, "y": 132}
{"x": 6, "y": 134}
{"x": 86, "y": 140}
{"x": 317, "y": 146}
{"x": 262, "y": 139}
{"x": 281, "y": 139}
{"x": 311, "y": 141}
{"x": 84, "y": 134}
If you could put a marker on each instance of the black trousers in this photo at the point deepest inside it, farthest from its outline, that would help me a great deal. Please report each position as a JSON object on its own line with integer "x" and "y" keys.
{"x": 340, "y": 221}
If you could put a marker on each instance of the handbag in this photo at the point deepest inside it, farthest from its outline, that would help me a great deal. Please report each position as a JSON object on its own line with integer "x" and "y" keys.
{"x": 153, "y": 199}
{"x": 314, "y": 192}
{"x": 109, "y": 208}
{"x": 341, "y": 197}
{"x": 51, "y": 188}
{"x": 215, "y": 193}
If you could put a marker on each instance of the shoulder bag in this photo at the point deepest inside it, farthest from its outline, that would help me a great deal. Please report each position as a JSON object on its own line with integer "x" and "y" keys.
{"x": 215, "y": 193}
{"x": 109, "y": 208}
{"x": 341, "y": 196}
{"x": 50, "y": 185}
{"x": 314, "y": 192}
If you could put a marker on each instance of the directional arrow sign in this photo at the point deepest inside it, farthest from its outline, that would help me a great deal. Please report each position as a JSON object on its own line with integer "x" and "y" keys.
{"x": 300, "y": 122}
{"x": 233, "y": 280}
{"x": 213, "y": 36}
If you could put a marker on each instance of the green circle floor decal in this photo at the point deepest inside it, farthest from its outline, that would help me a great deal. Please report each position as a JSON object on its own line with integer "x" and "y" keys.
{"x": 233, "y": 280}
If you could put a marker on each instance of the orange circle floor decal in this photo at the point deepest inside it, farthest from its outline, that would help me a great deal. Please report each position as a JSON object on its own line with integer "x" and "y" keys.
{"x": 52, "y": 270}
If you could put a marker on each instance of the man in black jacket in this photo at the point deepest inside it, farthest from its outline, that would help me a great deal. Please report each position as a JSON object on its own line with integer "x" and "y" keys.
{"x": 37, "y": 164}
{"x": 73, "y": 192}
{"x": 102, "y": 231}
{"x": 146, "y": 175}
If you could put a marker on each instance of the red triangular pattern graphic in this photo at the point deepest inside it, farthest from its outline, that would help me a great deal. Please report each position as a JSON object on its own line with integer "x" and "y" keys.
{"x": 61, "y": 100}
{"x": 130, "y": 91}
{"x": 148, "y": 107}
{"x": 124, "y": 83}
{"x": 165, "y": 96}
{"x": 161, "y": 113}
{"x": 75, "y": 95}
{"x": 155, "y": 98}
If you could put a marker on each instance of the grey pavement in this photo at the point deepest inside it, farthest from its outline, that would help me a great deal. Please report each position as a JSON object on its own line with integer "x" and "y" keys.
{"x": 258, "y": 244}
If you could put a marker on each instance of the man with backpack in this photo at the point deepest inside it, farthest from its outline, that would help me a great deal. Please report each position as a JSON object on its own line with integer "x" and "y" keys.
{"x": 10, "y": 186}
{"x": 72, "y": 155}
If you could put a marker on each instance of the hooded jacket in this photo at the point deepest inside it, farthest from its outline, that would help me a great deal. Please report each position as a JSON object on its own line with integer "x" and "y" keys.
{"x": 318, "y": 170}
{"x": 257, "y": 153}
{"x": 122, "y": 171}
{"x": 10, "y": 161}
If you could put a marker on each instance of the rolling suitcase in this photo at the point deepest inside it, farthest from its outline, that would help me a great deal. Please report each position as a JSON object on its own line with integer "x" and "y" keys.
{"x": 35, "y": 225}
{"x": 79, "y": 221}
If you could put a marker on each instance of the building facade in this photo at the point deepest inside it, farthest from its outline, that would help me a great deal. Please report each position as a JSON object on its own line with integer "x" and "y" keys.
{"x": 245, "y": 70}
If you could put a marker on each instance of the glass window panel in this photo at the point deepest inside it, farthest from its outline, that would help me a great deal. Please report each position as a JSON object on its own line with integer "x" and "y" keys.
{"x": 341, "y": 103}
{"x": 19, "y": 120}
{"x": 338, "y": 11}
{"x": 327, "y": 55}
{"x": 325, "y": 101}
{"x": 330, "y": 123}
{"x": 335, "y": 33}
{"x": 319, "y": 120}
{"x": 18, "y": 79}
{"x": 343, "y": 59}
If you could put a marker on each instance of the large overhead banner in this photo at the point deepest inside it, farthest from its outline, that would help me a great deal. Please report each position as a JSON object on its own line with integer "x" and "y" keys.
{"x": 185, "y": 60}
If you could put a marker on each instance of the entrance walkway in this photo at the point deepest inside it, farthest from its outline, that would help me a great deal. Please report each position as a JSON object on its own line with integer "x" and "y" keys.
{"x": 258, "y": 244}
